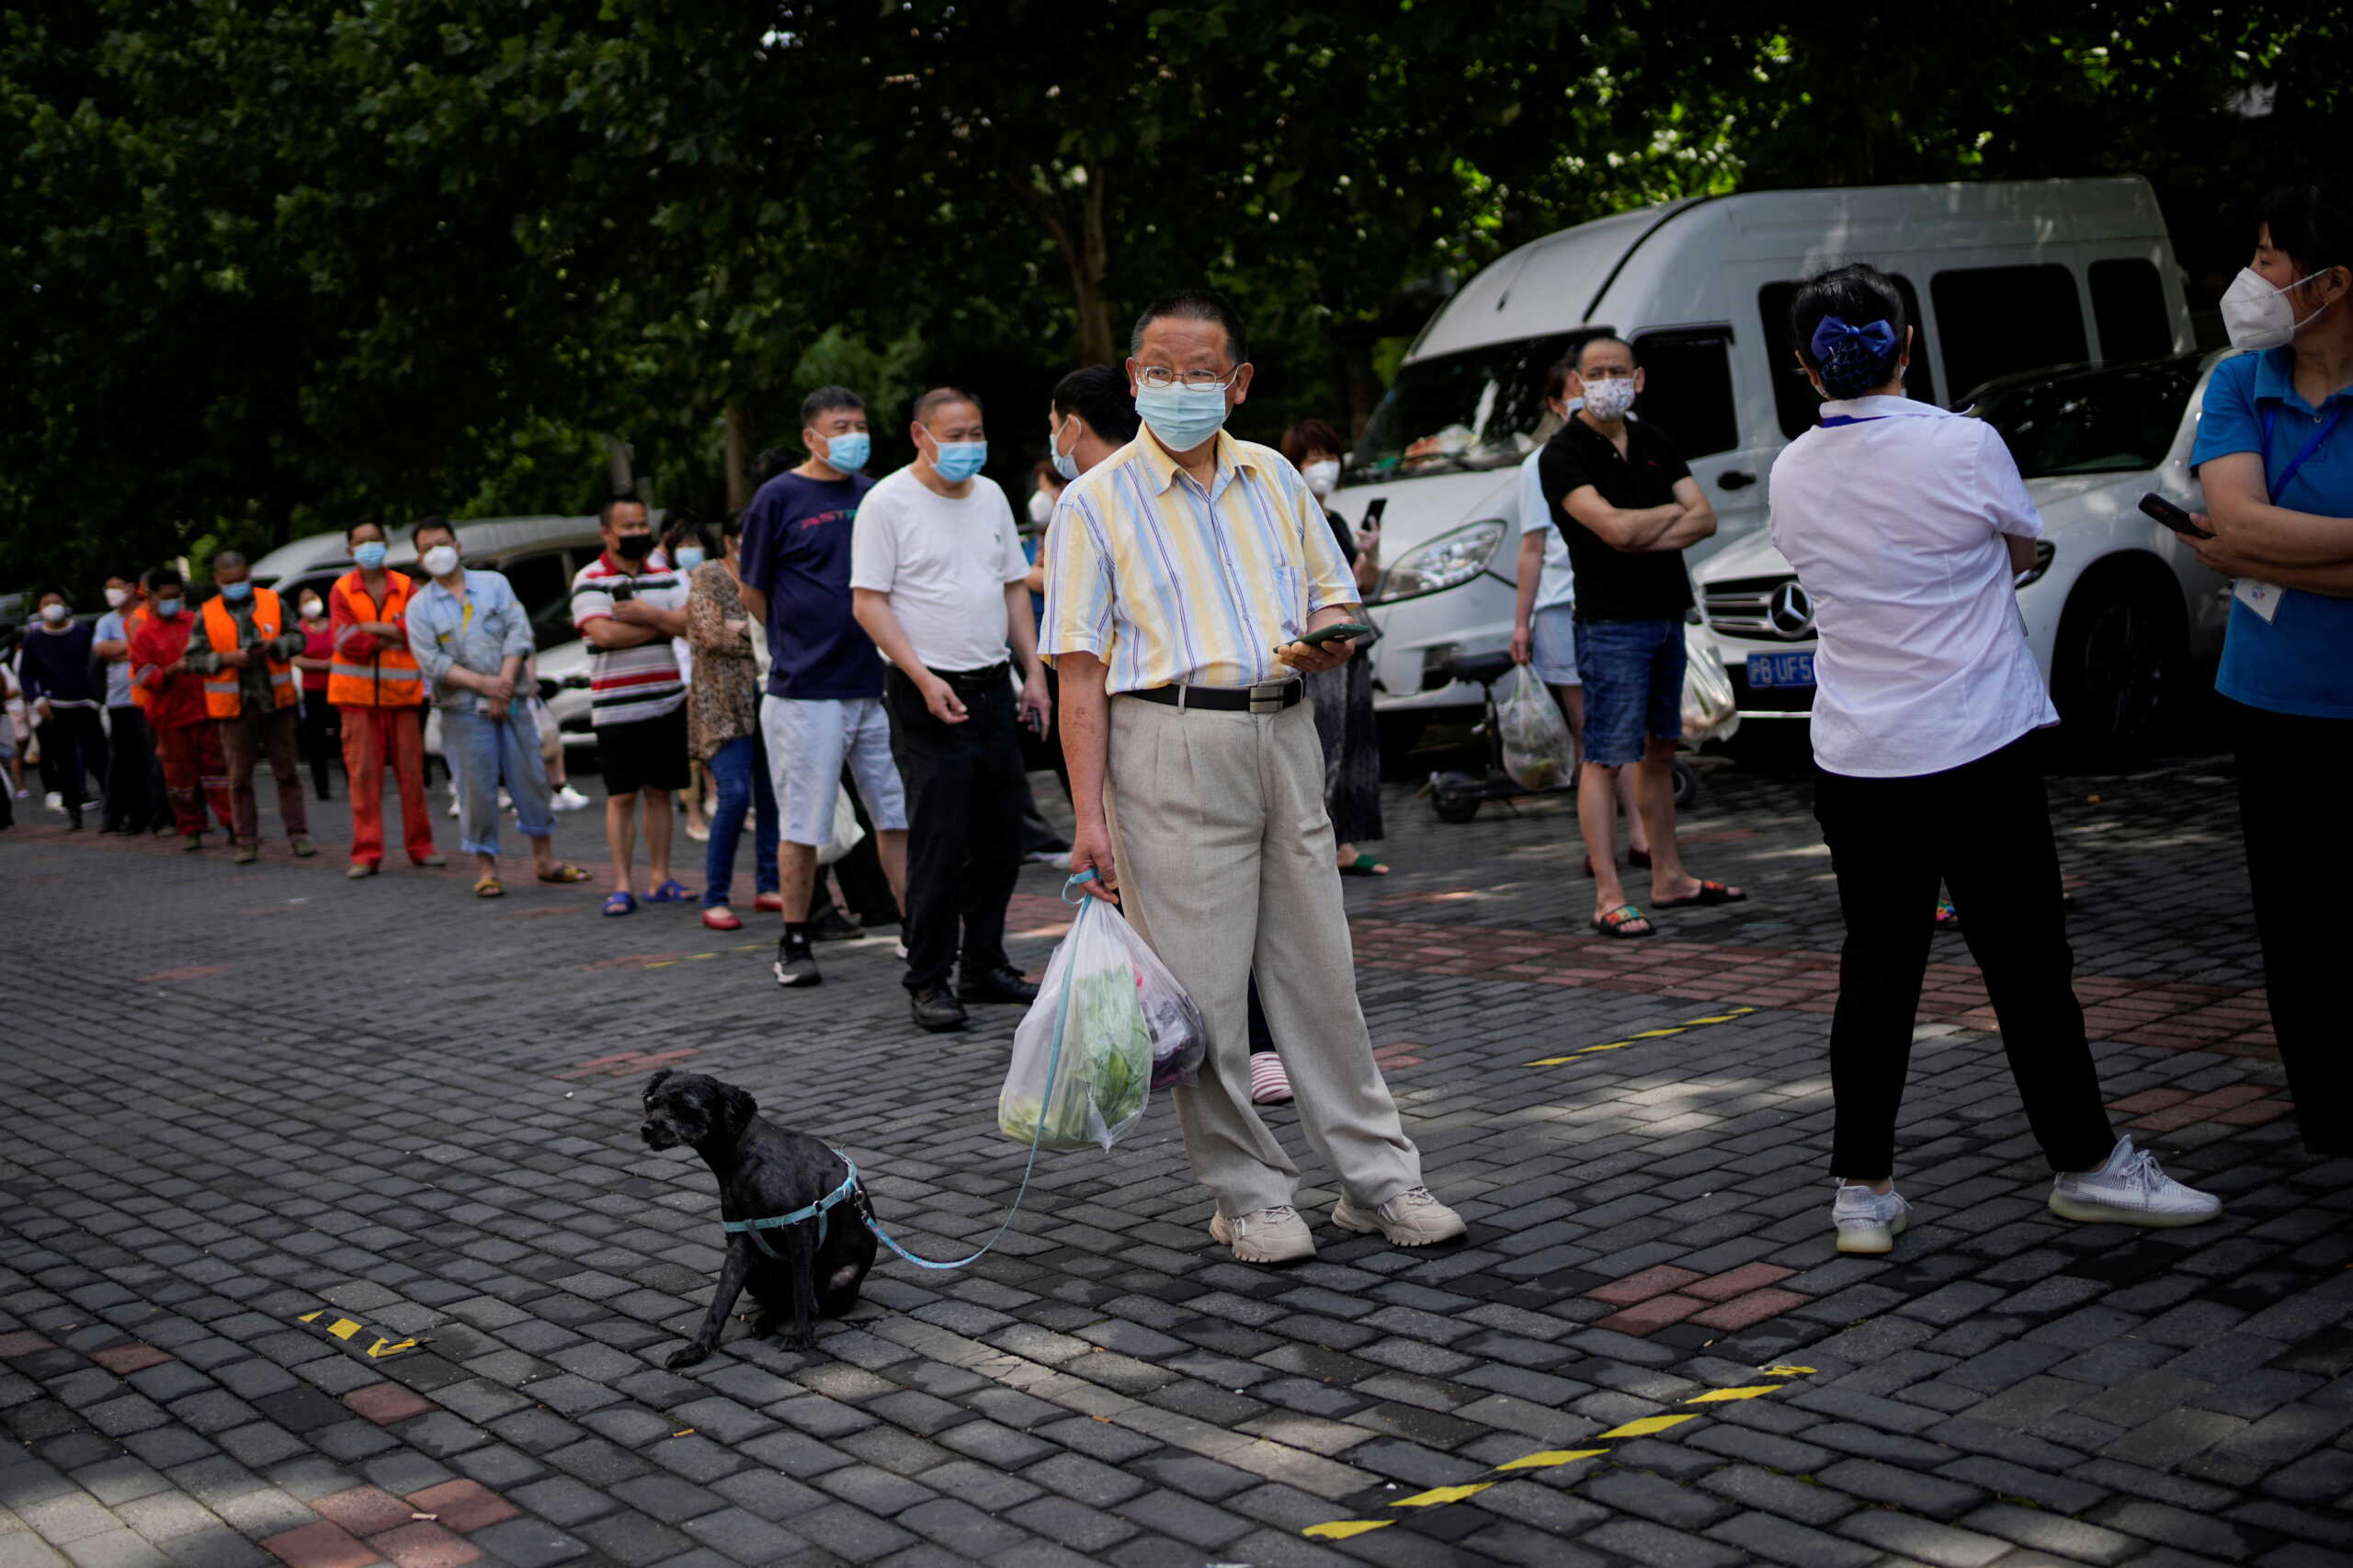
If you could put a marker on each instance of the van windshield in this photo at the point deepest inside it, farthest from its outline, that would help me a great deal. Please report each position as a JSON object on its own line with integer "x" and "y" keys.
{"x": 2115, "y": 419}
{"x": 1451, "y": 412}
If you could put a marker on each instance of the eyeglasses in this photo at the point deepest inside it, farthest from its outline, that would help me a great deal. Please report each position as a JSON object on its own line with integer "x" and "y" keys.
{"x": 1160, "y": 376}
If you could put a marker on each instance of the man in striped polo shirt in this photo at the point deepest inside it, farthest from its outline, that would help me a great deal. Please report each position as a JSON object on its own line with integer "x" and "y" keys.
{"x": 629, "y": 613}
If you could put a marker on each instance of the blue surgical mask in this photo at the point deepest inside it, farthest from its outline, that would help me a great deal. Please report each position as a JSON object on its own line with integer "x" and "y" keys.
{"x": 234, "y": 591}
{"x": 958, "y": 461}
{"x": 168, "y": 608}
{"x": 1066, "y": 463}
{"x": 691, "y": 556}
{"x": 1182, "y": 417}
{"x": 370, "y": 554}
{"x": 848, "y": 450}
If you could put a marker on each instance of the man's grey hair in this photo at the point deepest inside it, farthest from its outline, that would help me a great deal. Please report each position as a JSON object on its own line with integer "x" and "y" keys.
{"x": 227, "y": 558}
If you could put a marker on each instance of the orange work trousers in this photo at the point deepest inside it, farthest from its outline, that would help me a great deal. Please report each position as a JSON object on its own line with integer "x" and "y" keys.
{"x": 373, "y": 738}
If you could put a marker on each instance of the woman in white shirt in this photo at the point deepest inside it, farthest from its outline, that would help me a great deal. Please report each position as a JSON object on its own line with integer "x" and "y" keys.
{"x": 1907, "y": 525}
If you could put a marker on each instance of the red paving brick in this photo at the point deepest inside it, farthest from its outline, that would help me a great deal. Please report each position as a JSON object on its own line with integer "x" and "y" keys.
{"x": 125, "y": 1359}
{"x": 2170, "y": 1119}
{"x": 1644, "y": 1286}
{"x": 425, "y": 1545}
{"x": 22, "y": 1344}
{"x": 2149, "y": 1100}
{"x": 462, "y": 1505}
{"x": 2253, "y": 1114}
{"x": 2232, "y": 1095}
{"x": 1755, "y": 1307}
{"x": 322, "y": 1545}
{"x": 365, "y": 1510}
{"x": 387, "y": 1402}
{"x": 1740, "y": 1281}
{"x": 1649, "y": 1317}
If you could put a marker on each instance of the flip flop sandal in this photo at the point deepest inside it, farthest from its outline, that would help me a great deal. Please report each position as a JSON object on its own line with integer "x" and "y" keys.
{"x": 1614, "y": 923}
{"x": 1364, "y": 866}
{"x": 489, "y": 887}
{"x": 564, "y": 871}
{"x": 671, "y": 891}
{"x": 621, "y": 903}
{"x": 1710, "y": 893}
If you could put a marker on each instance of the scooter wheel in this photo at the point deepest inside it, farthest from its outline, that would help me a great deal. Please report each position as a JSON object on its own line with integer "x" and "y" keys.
{"x": 1686, "y": 782}
{"x": 1455, "y": 805}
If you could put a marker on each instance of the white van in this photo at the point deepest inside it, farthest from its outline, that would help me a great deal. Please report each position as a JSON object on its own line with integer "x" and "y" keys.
{"x": 2000, "y": 277}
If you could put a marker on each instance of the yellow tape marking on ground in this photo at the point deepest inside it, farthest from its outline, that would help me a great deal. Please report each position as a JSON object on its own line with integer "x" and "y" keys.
{"x": 666, "y": 963}
{"x": 1642, "y": 1426}
{"x": 1683, "y": 1028}
{"x": 343, "y": 1328}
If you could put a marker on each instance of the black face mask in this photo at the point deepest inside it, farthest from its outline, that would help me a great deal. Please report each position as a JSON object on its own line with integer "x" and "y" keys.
{"x": 633, "y": 546}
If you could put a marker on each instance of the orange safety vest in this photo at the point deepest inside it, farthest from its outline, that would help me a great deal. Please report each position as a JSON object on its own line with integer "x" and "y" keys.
{"x": 139, "y": 616}
{"x": 220, "y": 699}
{"x": 389, "y": 679}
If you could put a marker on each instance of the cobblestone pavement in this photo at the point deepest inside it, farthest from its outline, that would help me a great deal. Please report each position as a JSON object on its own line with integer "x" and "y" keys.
{"x": 326, "y": 1239}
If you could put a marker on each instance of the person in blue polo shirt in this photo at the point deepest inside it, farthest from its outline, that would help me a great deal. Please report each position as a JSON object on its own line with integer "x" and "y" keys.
{"x": 2275, "y": 454}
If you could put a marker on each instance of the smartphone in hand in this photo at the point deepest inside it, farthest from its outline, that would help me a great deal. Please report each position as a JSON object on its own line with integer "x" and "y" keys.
{"x": 1343, "y": 632}
{"x": 2172, "y": 517}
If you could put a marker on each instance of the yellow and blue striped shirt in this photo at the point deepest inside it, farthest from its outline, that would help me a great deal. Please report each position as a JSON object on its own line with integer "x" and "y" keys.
{"x": 1171, "y": 584}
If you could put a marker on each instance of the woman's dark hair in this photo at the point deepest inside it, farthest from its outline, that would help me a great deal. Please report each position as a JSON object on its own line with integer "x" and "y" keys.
{"x": 1309, "y": 436}
{"x": 734, "y": 527}
{"x": 682, "y": 526}
{"x": 2314, "y": 223}
{"x": 1855, "y": 297}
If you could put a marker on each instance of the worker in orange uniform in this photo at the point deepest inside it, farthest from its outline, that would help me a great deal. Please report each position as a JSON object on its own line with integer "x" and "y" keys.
{"x": 375, "y": 686}
{"x": 243, "y": 642}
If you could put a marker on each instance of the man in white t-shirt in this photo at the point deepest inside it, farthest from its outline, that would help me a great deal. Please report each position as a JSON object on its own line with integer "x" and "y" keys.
{"x": 939, "y": 582}
{"x": 1544, "y": 631}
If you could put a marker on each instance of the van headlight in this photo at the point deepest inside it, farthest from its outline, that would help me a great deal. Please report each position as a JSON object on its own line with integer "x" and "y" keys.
{"x": 1453, "y": 557}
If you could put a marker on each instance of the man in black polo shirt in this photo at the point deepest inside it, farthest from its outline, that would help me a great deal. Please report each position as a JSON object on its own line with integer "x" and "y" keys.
{"x": 1627, "y": 505}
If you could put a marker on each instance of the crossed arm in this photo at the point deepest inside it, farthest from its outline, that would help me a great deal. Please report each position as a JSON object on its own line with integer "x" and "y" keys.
{"x": 2255, "y": 539}
{"x": 1685, "y": 520}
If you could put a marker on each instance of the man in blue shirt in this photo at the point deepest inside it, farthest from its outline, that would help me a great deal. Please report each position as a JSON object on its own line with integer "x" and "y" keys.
{"x": 824, "y": 696}
{"x": 130, "y": 754}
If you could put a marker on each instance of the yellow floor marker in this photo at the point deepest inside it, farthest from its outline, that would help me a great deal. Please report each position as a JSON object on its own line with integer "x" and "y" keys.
{"x": 1340, "y": 1530}
{"x": 343, "y": 1328}
{"x": 1688, "y": 1025}
{"x": 1551, "y": 1457}
{"x": 1648, "y": 1424}
{"x": 1437, "y": 1494}
{"x": 1718, "y": 1396}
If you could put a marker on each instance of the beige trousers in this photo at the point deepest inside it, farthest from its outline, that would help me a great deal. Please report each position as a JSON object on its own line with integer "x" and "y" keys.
{"x": 1225, "y": 865}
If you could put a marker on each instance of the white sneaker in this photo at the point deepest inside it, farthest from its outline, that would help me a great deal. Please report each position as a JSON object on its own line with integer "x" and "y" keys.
{"x": 2131, "y": 1190}
{"x": 505, "y": 801}
{"x": 1413, "y": 1219}
{"x": 1264, "y": 1236}
{"x": 453, "y": 805}
{"x": 567, "y": 799}
{"x": 1869, "y": 1222}
{"x": 55, "y": 800}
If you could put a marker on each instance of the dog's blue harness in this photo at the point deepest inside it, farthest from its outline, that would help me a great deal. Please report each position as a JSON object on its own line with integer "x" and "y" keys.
{"x": 849, "y": 1184}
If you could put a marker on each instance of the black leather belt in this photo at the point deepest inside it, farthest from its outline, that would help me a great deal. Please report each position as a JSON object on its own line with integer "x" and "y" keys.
{"x": 988, "y": 680}
{"x": 1270, "y": 696}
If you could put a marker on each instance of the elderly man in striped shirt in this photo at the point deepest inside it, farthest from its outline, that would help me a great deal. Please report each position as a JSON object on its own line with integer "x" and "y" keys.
{"x": 1181, "y": 573}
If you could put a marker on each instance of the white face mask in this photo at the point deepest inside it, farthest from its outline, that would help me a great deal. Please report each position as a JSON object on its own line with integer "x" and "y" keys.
{"x": 440, "y": 562}
{"x": 118, "y": 597}
{"x": 312, "y": 609}
{"x": 1323, "y": 478}
{"x": 2257, "y": 315}
{"x": 1607, "y": 398}
{"x": 1041, "y": 507}
{"x": 53, "y": 614}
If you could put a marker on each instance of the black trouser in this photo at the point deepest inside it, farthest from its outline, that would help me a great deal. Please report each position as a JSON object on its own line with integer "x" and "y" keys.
{"x": 73, "y": 743}
{"x": 322, "y": 738}
{"x": 131, "y": 757}
{"x": 963, "y": 785}
{"x": 865, "y": 885}
{"x": 2299, "y": 854}
{"x": 1985, "y": 829}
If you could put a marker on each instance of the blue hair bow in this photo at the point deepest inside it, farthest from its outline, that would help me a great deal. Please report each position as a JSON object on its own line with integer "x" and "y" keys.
{"x": 1875, "y": 338}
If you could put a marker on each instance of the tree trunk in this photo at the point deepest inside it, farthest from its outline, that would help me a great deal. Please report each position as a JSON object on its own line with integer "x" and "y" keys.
{"x": 739, "y": 458}
{"x": 1087, "y": 253}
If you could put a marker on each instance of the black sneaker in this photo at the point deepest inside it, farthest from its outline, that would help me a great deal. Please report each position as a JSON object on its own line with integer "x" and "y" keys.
{"x": 795, "y": 965}
{"x": 832, "y": 925}
{"x": 1002, "y": 983}
{"x": 937, "y": 1010}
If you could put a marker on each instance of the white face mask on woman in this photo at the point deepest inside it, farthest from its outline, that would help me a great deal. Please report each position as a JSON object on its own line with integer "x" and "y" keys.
{"x": 2256, "y": 314}
{"x": 1323, "y": 477}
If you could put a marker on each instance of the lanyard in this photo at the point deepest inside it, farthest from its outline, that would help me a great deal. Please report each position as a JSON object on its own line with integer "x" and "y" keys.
{"x": 1835, "y": 420}
{"x": 2270, "y": 417}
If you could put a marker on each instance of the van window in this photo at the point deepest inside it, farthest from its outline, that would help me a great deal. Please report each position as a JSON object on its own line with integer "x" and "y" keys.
{"x": 543, "y": 587}
{"x": 2128, "y": 308}
{"x": 1474, "y": 409}
{"x": 1795, "y": 402}
{"x": 1997, "y": 320}
{"x": 1687, "y": 388}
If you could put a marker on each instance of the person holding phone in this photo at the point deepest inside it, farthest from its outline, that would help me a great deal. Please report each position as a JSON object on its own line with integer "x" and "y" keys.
{"x": 2275, "y": 455}
{"x": 1183, "y": 574}
{"x": 1342, "y": 696}
{"x": 1907, "y": 524}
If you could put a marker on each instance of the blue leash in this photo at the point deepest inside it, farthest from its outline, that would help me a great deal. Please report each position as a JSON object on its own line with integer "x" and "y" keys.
{"x": 817, "y": 1210}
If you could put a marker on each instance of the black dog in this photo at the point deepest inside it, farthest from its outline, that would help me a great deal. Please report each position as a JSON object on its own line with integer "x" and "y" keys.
{"x": 764, "y": 1172}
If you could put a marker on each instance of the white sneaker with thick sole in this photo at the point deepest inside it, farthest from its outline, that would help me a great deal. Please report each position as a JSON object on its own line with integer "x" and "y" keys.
{"x": 1869, "y": 1222}
{"x": 2131, "y": 1190}
{"x": 567, "y": 799}
{"x": 1264, "y": 1236}
{"x": 1412, "y": 1219}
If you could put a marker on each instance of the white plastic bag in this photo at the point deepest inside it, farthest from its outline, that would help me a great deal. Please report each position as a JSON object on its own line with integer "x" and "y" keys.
{"x": 1538, "y": 751}
{"x": 846, "y": 833}
{"x": 1110, "y": 1025}
{"x": 1709, "y": 710}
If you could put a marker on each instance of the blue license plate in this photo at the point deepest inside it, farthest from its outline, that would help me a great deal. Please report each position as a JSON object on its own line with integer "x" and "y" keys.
{"x": 1780, "y": 669}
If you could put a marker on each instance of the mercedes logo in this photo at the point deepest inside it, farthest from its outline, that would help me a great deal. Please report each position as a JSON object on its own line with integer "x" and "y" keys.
{"x": 1791, "y": 610}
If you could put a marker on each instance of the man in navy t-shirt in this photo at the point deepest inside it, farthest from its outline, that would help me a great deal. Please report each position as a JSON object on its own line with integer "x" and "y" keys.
{"x": 824, "y": 700}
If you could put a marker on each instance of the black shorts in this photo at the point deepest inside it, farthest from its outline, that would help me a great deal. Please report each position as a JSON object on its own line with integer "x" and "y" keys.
{"x": 649, "y": 753}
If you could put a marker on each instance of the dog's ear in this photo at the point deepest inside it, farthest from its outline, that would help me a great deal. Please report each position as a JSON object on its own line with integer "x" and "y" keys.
{"x": 657, "y": 1081}
{"x": 741, "y": 1106}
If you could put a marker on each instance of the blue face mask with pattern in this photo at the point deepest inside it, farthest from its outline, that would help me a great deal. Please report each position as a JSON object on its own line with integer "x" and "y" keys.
{"x": 235, "y": 592}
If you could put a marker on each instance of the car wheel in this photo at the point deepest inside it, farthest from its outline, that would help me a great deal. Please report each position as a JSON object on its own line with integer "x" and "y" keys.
{"x": 2120, "y": 649}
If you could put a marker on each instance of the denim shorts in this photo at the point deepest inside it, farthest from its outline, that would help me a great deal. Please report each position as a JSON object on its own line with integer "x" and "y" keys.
{"x": 1552, "y": 631}
{"x": 809, "y": 740}
{"x": 1634, "y": 686}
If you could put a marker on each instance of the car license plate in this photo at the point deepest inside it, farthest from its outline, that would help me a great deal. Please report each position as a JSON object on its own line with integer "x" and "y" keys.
{"x": 1780, "y": 669}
